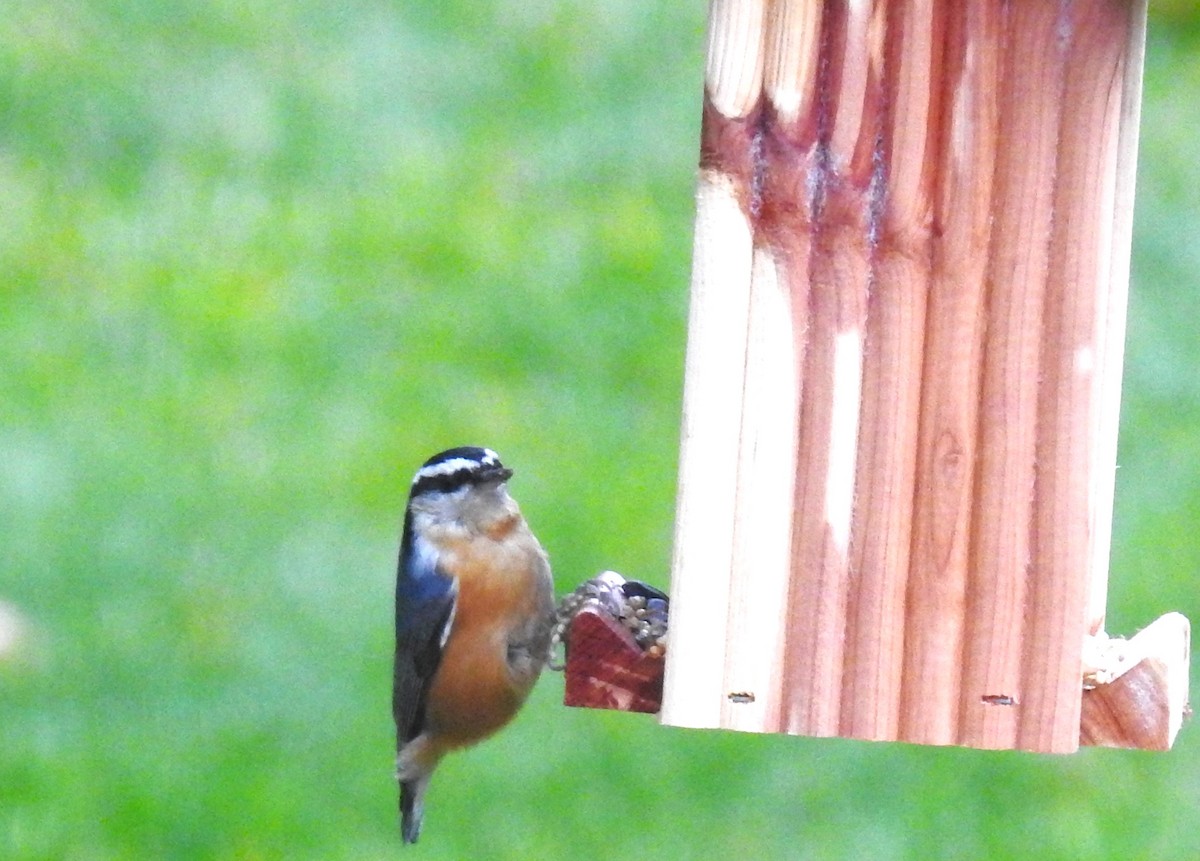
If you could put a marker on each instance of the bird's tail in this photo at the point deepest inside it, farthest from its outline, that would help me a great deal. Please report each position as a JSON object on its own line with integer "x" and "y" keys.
{"x": 412, "y": 807}
{"x": 414, "y": 766}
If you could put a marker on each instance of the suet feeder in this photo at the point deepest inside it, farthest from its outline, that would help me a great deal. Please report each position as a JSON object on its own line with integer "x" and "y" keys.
{"x": 903, "y": 372}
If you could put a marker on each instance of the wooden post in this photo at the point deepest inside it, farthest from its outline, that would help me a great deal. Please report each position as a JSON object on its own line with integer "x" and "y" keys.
{"x": 903, "y": 375}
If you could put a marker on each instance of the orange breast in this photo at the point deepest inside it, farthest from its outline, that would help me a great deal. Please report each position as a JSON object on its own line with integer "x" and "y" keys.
{"x": 474, "y": 693}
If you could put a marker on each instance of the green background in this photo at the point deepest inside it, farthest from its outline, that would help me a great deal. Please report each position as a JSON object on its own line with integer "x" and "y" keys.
{"x": 257, "y": 261}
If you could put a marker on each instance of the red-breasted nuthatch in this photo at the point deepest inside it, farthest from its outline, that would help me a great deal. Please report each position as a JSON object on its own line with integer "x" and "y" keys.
{"x": 474, "y": 610}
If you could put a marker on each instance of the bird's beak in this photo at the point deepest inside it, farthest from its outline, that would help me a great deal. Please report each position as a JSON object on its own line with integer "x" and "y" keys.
{"x": 497, "y": 473}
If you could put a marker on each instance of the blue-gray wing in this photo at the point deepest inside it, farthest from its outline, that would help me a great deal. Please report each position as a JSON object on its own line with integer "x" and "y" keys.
{"x": 425, "y": 599}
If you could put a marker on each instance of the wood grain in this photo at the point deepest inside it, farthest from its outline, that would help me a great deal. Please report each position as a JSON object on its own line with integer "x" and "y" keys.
{"x": 903, "y": 369}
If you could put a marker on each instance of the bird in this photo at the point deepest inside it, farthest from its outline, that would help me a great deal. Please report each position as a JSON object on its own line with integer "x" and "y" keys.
{"x": 474, "y": 613}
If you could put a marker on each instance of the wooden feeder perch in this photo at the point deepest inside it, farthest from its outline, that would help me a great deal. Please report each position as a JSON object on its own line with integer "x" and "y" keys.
{"x": 903, "y": 377}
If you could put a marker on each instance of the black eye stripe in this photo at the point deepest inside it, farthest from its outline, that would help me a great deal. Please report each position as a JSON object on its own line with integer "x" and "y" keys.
{"x": 447, "y": 483}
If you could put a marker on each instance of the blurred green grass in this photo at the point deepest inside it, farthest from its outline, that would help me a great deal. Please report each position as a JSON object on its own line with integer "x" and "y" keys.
{"x": 258, "y": 261}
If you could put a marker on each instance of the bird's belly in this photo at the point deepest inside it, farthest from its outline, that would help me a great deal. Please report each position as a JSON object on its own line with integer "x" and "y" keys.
{"x": 504, "y": 601}
{"x": 473, "y": 693}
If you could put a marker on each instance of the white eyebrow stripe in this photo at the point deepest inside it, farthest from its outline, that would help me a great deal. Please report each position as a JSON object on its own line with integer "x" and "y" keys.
{"x": 448, "y": 467}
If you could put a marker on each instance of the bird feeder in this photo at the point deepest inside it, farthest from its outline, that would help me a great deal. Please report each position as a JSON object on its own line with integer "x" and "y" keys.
{"x": 913, "y": 227}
